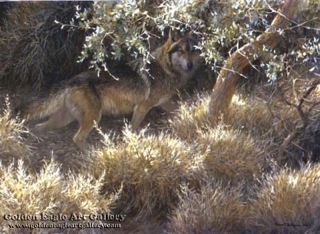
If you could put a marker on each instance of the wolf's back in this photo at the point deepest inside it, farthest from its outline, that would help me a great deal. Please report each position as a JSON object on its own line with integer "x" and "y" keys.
{"x": 43, "y": 107}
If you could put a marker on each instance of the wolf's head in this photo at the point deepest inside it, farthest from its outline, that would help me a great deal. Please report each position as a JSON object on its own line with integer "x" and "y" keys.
{"x": 185, "y": 58}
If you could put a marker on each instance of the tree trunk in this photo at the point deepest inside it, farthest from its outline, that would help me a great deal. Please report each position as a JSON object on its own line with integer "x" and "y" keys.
{"x": 229, "y": 74}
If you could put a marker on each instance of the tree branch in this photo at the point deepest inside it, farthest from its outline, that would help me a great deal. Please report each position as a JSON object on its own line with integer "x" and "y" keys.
{"x": 227, "y": 79}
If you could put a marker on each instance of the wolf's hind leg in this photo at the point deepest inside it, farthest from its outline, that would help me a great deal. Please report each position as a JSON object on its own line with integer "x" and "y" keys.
{"x": 86, "y": 125}
{"x": 139, "y": 113}
{"x": 87, "y": 109}
{"x": 57, "y": 120}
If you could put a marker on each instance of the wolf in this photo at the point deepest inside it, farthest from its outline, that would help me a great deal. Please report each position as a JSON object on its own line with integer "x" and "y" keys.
{"x": 87, "y": 96}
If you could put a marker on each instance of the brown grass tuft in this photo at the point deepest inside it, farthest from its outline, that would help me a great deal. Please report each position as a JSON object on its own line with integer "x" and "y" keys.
{"x": 49, "y": 192}
{"x": 286, "y": 202}
{"x": 229, "y": 153}
{"x": 191, "y": 118}
{"x": 12, "y": 144}
{"x": 149, "y": 168}
{"x": 250, "y": 115}
{"x": 231, "y": 156}
{"x": 216, "y": 209}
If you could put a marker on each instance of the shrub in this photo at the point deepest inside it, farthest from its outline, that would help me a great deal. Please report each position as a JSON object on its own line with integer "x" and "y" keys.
{"x": 231, "y": 156}
{"x": 12, "y": 142}
{"x": 286, "y": 202}
{"x": 149, "y": 168}
{"x": 35, "y": 51}
{"x": 49, "y": 192}
{"x": 215, "y": 209}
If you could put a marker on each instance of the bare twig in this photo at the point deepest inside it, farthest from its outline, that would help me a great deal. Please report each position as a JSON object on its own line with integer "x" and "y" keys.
{"x": 304, "y": 118}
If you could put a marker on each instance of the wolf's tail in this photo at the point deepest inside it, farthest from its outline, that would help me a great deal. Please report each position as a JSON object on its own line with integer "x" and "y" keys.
{"x": 42, "y": 107}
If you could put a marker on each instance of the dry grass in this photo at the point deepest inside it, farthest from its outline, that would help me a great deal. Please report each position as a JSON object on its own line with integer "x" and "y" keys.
{"x": 12, "y": 144}
{"x": 49, "y": 192}
{"x": 249, "y": 115}
{"x": 35, "y": 52}
{"x": 231, "y": 156}
{"x": 164, "y": 175}
{"x": 231, "y": 153}
{"x": 267, "y": 123}
{"x": 216, "y": 209}
{"x": 286, "y": 202}
{"x": 149, "y": 168}
{"x": 191, "y": 118}
{"x": 198, "y": 177}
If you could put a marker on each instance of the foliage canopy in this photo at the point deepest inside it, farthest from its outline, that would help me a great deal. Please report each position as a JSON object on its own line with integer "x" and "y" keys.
{"x": 130, "y": 28}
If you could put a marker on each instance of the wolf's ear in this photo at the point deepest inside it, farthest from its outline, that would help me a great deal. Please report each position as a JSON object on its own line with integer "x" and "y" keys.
{"x": 173, "y": 48}
{"x": 173, "y": 35}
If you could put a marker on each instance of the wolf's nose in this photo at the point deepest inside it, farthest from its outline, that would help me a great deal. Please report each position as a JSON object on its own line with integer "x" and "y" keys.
{"x": 189, "y": 65}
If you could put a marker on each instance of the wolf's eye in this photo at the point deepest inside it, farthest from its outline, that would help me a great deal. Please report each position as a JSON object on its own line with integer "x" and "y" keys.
{"x": 180, "y": 51}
